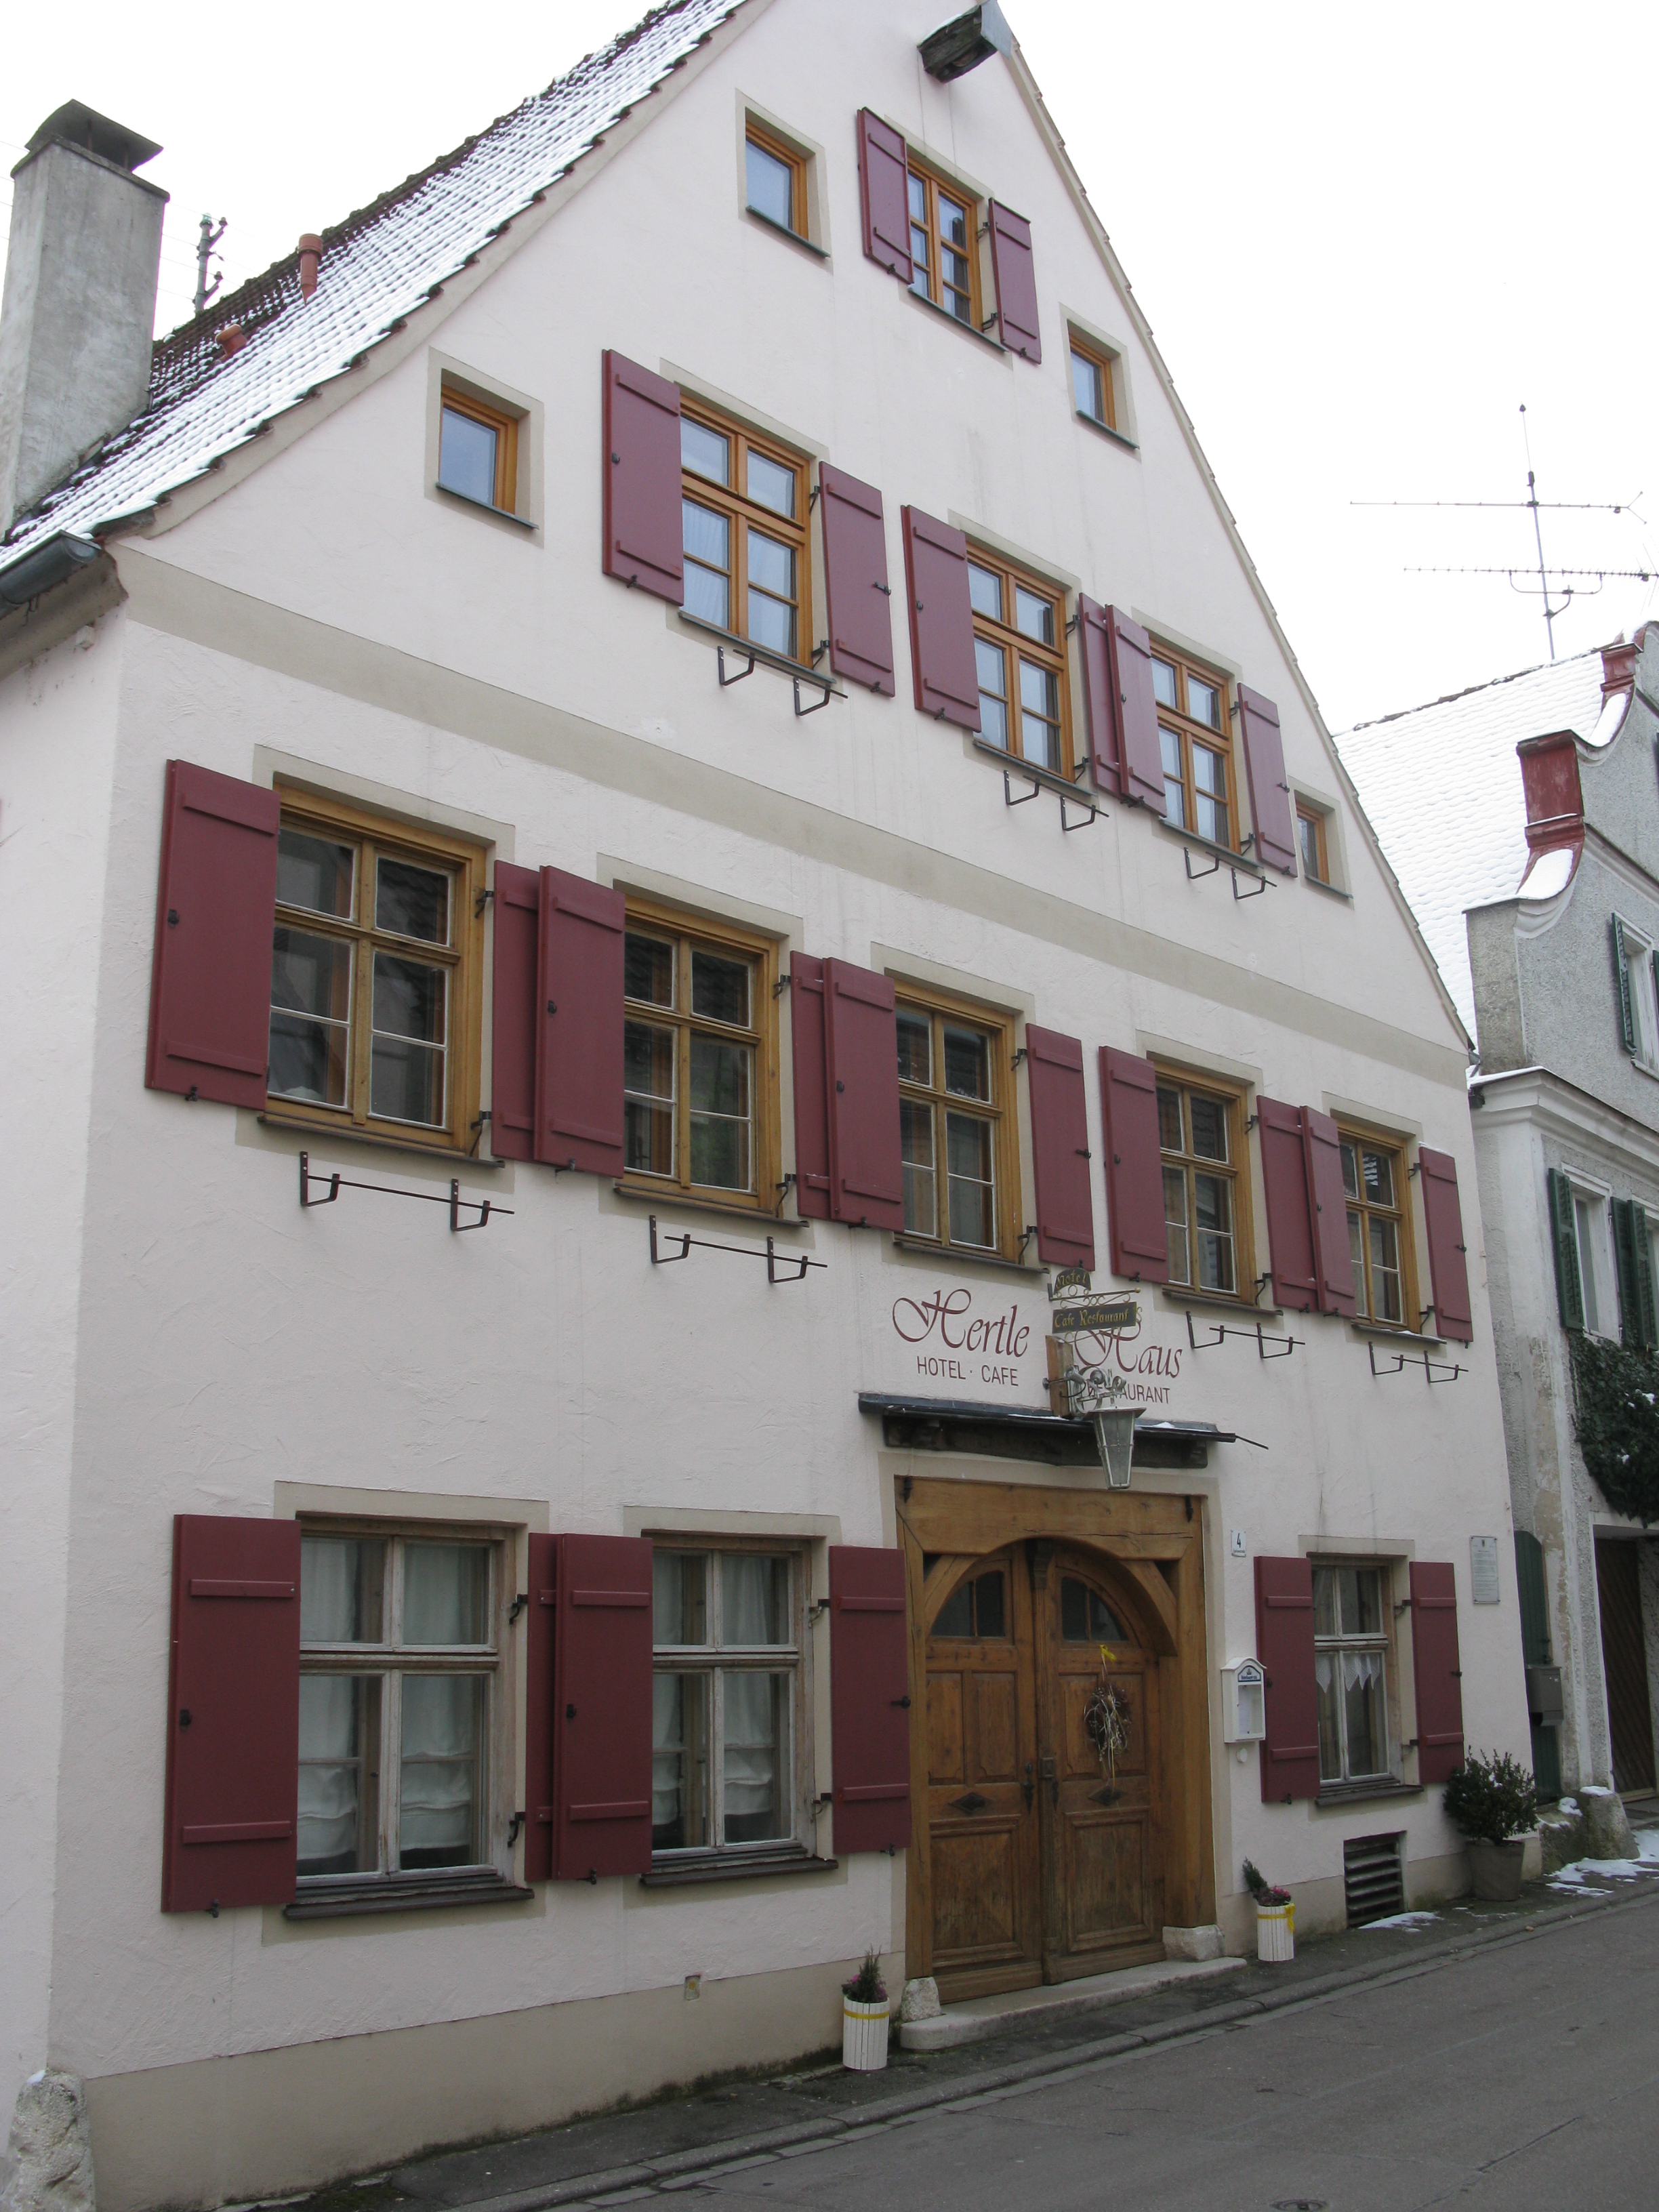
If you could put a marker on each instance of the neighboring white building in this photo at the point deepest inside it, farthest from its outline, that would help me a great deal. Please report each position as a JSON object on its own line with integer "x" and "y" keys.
{"x": 1533, "y": 803}
{"x": 685, "y": 676}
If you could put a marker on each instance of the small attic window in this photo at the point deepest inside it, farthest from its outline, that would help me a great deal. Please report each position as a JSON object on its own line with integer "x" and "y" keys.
{"x": 776, "y": 177}
{"x": 478, "y": 452}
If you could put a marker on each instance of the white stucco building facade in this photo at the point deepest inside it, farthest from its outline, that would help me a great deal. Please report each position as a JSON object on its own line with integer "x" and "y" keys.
{"x": 381, "y": 652}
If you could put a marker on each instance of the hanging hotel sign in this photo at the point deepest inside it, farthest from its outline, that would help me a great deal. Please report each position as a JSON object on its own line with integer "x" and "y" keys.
{"x": 1097, "y": 1355}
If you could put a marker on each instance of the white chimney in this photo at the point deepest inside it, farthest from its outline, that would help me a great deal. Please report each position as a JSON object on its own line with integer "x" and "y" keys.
{"x": 79, "y": 310}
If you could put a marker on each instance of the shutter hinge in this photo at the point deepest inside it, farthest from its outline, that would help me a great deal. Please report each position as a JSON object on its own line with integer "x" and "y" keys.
{"x": 513, "y": 1611}
{"x": 514, "y": 1827}
{"x": 483, "y": 900}
{"x": 782, "y": 985}
{"x": 1024, "y": 1049}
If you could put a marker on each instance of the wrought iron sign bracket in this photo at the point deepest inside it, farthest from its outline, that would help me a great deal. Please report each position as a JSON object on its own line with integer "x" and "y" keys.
{"x": 802, "y": 712}
{"x": 1008, "y": 798}
{"x": 1089, "y": 814}
{"x": 1269, "y": 1347}
{"x": 800, "y": 1261}
{"x": 337, "y": 1182}
{"x": 1404, "y": 1359}
{"x": 1090, "y": 811}
{"x": 720, "y": 661}
{"x": 1199, "y": 875}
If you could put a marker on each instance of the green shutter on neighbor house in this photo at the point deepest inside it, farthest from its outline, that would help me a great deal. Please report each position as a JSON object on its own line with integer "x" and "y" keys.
{"x": 1621, "y": 976}
{"x": 1642, "y": 1242}
{"x": 1536, "y": 1652}
{"x": 1624, "y": 1252}
{"x": 1569, "y": 1289}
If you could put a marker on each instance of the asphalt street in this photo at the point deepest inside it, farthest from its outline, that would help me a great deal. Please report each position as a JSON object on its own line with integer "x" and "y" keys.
{"x": 1525, "y": 2077}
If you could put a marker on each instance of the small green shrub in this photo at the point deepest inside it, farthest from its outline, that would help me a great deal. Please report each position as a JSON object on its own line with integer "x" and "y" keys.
{"x": 1261, "y": 1889}
{"x": 1616, "y": 1416}
{"x": 867, "y": 1986}
{"x": 1492, "y": 1798}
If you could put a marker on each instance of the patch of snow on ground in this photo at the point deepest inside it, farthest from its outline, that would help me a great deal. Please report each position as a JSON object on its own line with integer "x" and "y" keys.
{"x": 1581, "y": 1873}
{"x": 1415, "y": 1921}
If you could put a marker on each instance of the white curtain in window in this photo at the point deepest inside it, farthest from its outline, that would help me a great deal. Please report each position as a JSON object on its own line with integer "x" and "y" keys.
{"x": 440, "y": 1762}
{"x": 444, "y": 1588}
{"x": 667, "y": 1748}
{"x": 328, "y": 1590}
{"x": 755, "y": 1707}
{"x": 750, "y": 1593}
{"x": 328, "y": 1766}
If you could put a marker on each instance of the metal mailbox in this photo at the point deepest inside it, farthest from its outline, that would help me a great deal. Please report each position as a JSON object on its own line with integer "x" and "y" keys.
{"x": 1544, "y": 1694}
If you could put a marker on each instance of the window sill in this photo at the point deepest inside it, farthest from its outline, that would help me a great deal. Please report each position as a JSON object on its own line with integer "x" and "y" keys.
{"x": 955, "y": 1255}
{"x": 484, "y": 506}
{"x": 1333, "y": 1795}
{"x": 1063, "y": 786}
{"x": 763, "y": 653}
{"x": 1224, "y": 854}
{"x": 674, "y": 1871}
{"x": 674, "y": 1200}
{"x": 1175, "y": 1294}
{"x": 324, "y": 1132}
{"x": 336, "y": 1899}
{"x": 1331, "y": 890}
{"x": 1105, "y": 430}
{"x": 956, "y": 323}
{"x": 782, "y": 230}
{"x": 1388, "y": 1333}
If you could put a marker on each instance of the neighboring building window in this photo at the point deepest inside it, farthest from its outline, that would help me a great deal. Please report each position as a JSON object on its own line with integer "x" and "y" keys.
{"x": 1019, "y": 645}
{"x": 1091, "y": 383}
{"x": 376, "y": 973}
{"x": 1198, "y": 1136}
{"x": 1589, "y": 1222}
{"x": 744, "y": 511}
{"x": 399, "y": 1704}
{"x": 698, "y": 1081}
{"x": 1310, "y": 836}
{"x": 1374, "y": 1178}
{"x": 1350, "y": 1661}
{"x": 478, "y": 452}
{"x": 944, "y": 252}
{"x": 776, "y": 180}
{"x": 726, "y": 1698}
{"x": 1636, "y": 1010}
{"x": 1197, "y": 745}
{"x": 954, "y": 1126}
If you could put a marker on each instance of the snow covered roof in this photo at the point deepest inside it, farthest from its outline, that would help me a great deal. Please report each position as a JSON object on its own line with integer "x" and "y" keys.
{"x": 1441, "y": 785}
{"x": 377, "y": 268}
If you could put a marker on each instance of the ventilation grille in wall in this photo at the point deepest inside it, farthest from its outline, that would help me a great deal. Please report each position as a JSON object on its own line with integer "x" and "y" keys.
{"x": 1373, "y": 1877}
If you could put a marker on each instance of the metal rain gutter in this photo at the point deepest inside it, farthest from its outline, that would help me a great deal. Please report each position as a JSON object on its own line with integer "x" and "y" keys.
{"x": 44, "y": 568}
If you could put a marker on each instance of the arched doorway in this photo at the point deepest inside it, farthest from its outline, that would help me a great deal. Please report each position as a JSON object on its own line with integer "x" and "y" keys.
{"x": 1045, "y": 1790}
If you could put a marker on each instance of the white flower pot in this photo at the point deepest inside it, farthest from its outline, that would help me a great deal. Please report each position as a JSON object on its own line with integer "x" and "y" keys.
{"x": 864, "y": 2035}
{"x": 1275, "y": 1933}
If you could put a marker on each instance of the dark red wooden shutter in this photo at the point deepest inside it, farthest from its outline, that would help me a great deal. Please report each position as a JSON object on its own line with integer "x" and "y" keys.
{"x": 579, "y": 1025}
{"x": 1332, "y": 1254}
{"x": 1059, "y": 1148}
{"x": 858, "y": 602}
{"x": 1449, "y": 1266}
{"x": 941, "y": 620}
{"x": 1099, "y": 691}
{"x": 210, "y": 994}
{"x": 1270, "y": 794}
{"x": 602, "y": 1692}
{"x": 1290, "y": 1212}
{"x": 885, "y": 195}
{"x": 1134, "y": 1167}
{"x": 512, "y": 1012}
{"x": 1138, "y": 751}
{"x": 644, "y": 538}
{"x": 1439, "y": 1675}
{"x": 539, "y": 1726}
{"x": 1284, "y": 1645}
{"x": 1016, "y": 282}
{"x": 233, "y": 1771}
{"x": 811, "y": 1085}
{"x": 861, "y": 1036}
{"x": 869, "y": 1699}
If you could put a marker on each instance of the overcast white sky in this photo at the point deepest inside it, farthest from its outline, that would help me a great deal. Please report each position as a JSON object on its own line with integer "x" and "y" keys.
{"x": 1363, "y": 237}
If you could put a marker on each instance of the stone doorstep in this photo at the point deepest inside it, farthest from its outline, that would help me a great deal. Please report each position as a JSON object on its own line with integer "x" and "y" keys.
{"x": 981, "y": 2017}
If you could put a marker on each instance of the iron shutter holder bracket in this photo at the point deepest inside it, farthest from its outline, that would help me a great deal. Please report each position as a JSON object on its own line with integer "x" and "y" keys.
{"x": 1089, "y": 812}
{"x": 1283, "y": 1346}
{"x": 1404, "y": 1359}
{"x": 337, "y": 1182}
{"x": 727, "y": 681}
{"x": 800, "y": 1261}
{"x": 802, "y": 712}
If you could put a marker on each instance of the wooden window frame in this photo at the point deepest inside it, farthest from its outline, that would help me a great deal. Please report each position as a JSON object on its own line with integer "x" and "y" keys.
{"x": 1191, "y": 731}
{"x": 1103, "y": 364}
{"x": 654, "y": 920}
{"x": 1013, "y": 643}
{"x": 1358, "y": 1135}
{"x": 757, "y": 134}
{"x": 1381, "y": 1640}
{"x": 505, "y": 428}
{"x": 1172, "y": 1076}
{"x": 933, "y": 182}
{"x": 427, "y": 846}
{"x": 739, "y": 512}
{"x": 1311, "y": 817}
{"x": 715, "y": 1658}
{"x": 393, "y": 1660}
{"x": 1001, "y": 1110}
{"x": 1598, "y": 1265}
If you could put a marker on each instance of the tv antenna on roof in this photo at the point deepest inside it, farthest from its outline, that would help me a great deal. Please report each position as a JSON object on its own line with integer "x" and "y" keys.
{"x": 1562, "y": 588}
{"x": 210, "y": 235}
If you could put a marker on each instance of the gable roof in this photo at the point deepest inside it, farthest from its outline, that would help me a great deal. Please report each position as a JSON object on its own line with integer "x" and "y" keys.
{"x": 378, "y": 267}
{"x": 1441, "y": 787}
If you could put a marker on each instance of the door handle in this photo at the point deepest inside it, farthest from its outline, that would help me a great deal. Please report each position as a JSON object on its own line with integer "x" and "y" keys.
{"x": 1028, "y": 1786}
{"x": 1051, "y": 1775}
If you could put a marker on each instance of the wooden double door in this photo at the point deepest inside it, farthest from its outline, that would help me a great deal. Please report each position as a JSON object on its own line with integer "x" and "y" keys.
{"x": 1045, "y": 1797}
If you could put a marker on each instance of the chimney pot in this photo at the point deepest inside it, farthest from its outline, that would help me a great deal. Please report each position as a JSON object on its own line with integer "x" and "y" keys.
{"x": 1555, "y": 797}
{"x": 231, "y": 337}
{"x": 1619, "y": 666}
{"x": 310, "y": 247}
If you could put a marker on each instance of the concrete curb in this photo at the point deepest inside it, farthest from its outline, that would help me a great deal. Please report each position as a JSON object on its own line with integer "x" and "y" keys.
{"x": 771, "y": 2143}
{"x": 983, "y": 2018}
